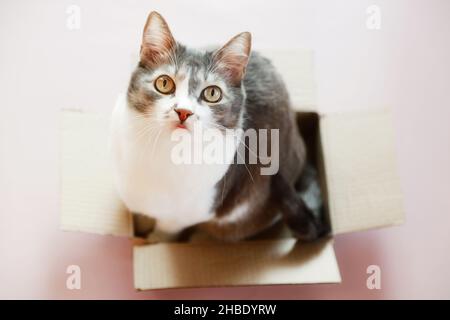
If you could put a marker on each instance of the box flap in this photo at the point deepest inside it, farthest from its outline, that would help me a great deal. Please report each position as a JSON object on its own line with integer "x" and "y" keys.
{"x": 89, "y": 201}
{"x": 262, "y": 262}
{"x": 297, "y": 69}
{"x": 363, "y": 187}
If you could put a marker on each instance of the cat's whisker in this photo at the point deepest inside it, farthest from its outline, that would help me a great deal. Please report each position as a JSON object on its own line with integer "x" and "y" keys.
{"x": 155, "y": 143}
{"x": 146, "y": 143}
{"x": 216, "y": 125}
{"x": 224, "y": 184}
{"x": 144, "y": 131}
{"x": 243, "y": 162}
{"x": 245, "y": 145}
{"x": 147, "y": 129}
{"x": 240, "y": 139}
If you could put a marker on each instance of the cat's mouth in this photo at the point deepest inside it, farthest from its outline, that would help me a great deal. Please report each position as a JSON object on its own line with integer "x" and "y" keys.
{"x": 181, "y": 125}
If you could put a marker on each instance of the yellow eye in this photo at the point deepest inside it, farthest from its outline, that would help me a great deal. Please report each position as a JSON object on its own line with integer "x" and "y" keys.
{"x": 212, "y": 94}
{"x": 165, "y": 84}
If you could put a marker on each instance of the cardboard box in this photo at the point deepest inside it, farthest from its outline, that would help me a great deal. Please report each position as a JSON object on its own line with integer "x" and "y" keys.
{"x": 353, "y": 151}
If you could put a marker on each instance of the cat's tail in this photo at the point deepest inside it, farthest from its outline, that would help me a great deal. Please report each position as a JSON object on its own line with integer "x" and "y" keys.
{"x": 302, "y": 206}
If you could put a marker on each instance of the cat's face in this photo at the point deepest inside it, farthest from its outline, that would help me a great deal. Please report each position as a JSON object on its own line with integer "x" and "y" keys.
{"x": 177, "y": 88}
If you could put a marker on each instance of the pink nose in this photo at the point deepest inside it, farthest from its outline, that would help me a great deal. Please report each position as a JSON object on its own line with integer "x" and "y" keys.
{"x": 183, "y": 114}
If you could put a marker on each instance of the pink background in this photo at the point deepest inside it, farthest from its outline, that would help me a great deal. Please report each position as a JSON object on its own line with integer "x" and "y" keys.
{"x": 45, "y": 67}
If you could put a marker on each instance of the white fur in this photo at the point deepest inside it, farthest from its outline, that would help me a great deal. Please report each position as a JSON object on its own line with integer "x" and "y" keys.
{"x": 148, "y": 181}
{"x": 236, "y": 214}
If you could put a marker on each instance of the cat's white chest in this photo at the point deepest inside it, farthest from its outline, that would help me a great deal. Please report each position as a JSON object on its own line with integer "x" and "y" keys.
{"x": 177, "y": 196}
{"x": 150, "y": 183}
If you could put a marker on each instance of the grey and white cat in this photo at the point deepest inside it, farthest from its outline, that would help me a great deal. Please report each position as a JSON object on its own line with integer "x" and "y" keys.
{"x": 176, "y": 88}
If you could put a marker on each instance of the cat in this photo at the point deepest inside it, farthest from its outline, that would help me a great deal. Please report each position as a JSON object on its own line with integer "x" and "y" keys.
{"x": 174, "y": 89}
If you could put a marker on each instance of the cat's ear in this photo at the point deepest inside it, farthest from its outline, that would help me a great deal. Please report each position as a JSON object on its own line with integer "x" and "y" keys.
{"x": 157, "y": 41}
{"x": 233, "y": 57}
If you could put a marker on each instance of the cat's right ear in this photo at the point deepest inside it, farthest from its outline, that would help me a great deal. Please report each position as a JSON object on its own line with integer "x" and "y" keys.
{"x": 158, "y": 43}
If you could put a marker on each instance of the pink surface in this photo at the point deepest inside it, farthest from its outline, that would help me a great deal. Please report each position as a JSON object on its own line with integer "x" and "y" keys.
{"x": 46, "y": 67}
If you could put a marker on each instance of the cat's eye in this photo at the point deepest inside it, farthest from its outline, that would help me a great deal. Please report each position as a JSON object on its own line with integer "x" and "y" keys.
{"x": 164, "y": 84}
{"x": 212, "y": 94}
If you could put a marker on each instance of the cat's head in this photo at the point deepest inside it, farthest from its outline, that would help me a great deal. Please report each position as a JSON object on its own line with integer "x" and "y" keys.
{"x": 175, "y": 87}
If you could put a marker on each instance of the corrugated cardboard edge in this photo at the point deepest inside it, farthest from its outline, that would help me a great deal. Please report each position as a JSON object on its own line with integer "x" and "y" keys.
{"x": 263, "y": 262}
{"x": 363, "y": 186}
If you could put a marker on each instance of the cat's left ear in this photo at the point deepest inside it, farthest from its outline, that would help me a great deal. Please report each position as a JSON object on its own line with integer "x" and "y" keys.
{"x": 233, "y": 57}
{"x": 157, "y": 41}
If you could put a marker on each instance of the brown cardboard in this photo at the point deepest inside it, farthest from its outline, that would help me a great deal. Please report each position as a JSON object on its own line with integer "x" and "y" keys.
{"x": 362, "y": 183}
{"x": 278, "y": 261}
{"x": 89, "y": 201}
{"x": 354, "y": 151}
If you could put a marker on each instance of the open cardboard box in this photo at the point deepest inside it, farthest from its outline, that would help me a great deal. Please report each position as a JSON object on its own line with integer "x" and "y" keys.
{"x": 354, "y": 153}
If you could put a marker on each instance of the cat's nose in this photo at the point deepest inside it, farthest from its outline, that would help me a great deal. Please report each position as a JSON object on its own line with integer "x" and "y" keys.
{"x": 183, "y": 114}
